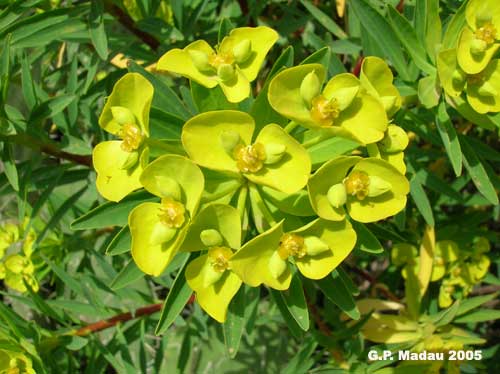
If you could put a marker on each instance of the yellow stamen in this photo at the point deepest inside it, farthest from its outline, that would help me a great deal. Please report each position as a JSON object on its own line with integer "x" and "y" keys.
{"x": 486, "y": 33}
{"x": 132, "y": 137}
{"x": 172, "y": 213}
{"x": 324, "y": 111}
{"x": 250, "y": 158}
{"x": 219, "y": 258}
{"x": 357, "y": 184}
{"x": 291, "y": 245}
{"x": 218, "y": 59}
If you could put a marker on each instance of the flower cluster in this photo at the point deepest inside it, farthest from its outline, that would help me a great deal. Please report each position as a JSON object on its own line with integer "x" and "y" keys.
{"x": 458, "y": 268}
{"x": 471, "y": 66}
{"x": 238, "y": 174}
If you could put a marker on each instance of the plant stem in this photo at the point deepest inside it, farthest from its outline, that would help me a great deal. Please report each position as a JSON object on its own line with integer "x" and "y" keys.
{"x": 290, "y": 127}
{"x": 47, "y": 148}
{"x": 113, "y": 321}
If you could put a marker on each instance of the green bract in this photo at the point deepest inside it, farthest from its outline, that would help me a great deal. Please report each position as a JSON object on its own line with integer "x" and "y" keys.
{"x": 391, "y": 147}
{"x": 342, "y": 107}
{"x": 479, "y": 38}
{"x": 316, "y": 249}
{"x": 119, "y": 163}
{"x": 370, "y": 188}
{"x": 158, "y": 229}
{"x": 233, "y": 64}
{"x": 217, "y": 229}
{"x": 222, "y": 141}
{"x": 482, "y": 89}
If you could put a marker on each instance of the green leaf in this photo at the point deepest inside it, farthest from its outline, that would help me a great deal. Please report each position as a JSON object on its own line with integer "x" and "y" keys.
{"x": 164, "y": 96}
{"x": 224, "y": 29}
{"x": 208, "y": 99}
{"x": 9, "y": 166}
{"x": 421, "y": 201}
{"x": 335, "y": 289}
{"x": 330, "y": 148}
{"x": 321, "y": 56}
{"x": 96, "y": 29}
{"x": 111, "y": 214}
{"x": 291, "y": 323}
{"x": 302, "y": 361}
{"x": 295, "y": 301}
{"x": 376, "y": 25}
{"x": 477, "y": 172}
{"x": 285, "y": 60}
{"x": 176, "y": 300}
{"x": 406, "y": 35}
{"x": 235, "y": 322}
{"x": 428, "y": 92}
{"x": 121, "y": 242}
{"x": 454, "y": 28}
{"x": 449, "y": 137}
{"x": 130, "y": 273}
{"x": 482, "y": 315}
{"x": 50, "y": 108}
{"x": 472, "y": 303}
{"x": 5, "y": 69}
{"x": 324, "y": 20}
{"x": 67, "y": 279}
{"x": 27, "y": 83}
{"x": 447, "y": 315}
{"x": 366, "y": 241}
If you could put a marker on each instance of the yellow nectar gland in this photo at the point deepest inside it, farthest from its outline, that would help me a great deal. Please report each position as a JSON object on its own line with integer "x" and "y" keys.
{"x": 324, "y": 111}
{"x": 291, "y": 245}
{"x": 486, "y": 33}
{"x": 219, "y": 258}
{"x": 172, "y": 213}
{"x": 131, "y": 136}
{"x": 250, "y": 158}
{"x": 356, "y": 184}
{"x": 218, "y": 59}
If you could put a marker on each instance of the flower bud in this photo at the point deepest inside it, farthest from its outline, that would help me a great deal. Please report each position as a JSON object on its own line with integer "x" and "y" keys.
{"x": 131, "y": 160}
{"x": 211, "y": 238}
{"x": 337, "y": 195}
{"x": 345, "y": 96}
{"x": 168, "y": 187}
{"x": 200, "y": 60}
{"x": 378, "y": 186}
{"x": 487, "y": 89}
{"x": 395, "y": 140}
{"x": 388, "y": 102}
{"x": 478, "y": 46}
{"x": 226, "y": 72}
{"x": 242, "y": 51}
{"x": 458, "y": 77}
{"x": 315, "y": 246}
{"x": 122, "y": 115}
{"x": 211, "y": 276}
{"x": 15, "y": 264}
{"x": 276, "y": 265}
{"x": 274, "y": 152}
{"x": 161, "y": 234}
{"x": 229, "y": 140}
{"x": 310, "y": 87}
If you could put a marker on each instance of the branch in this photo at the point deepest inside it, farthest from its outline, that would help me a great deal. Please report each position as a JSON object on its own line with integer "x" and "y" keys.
{"x": 113, "y": 321}
{"x": 47, "y": 148}
{"x": 129, "y": 24}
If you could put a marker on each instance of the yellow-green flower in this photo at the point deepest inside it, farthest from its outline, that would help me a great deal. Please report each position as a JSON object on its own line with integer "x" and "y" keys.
{"x": 9, "y": 234}
{"x": 376, "y": 78}
{"x": 316, "y": 249}
{"x": 13, "y": 360}
{"x": 158, "y": 229}
{"x": 370, "y": 188}
{"x": 391, "y": 147}
{"x": 482, "y": 89}
{"x": 233, "y": 64}
{"x": 17, "y": 269}
{"x": 480, "y": 37}
{"x": 217, "y": 229}
{"x": 222, "y": 141}
{"x": 119, "y": 163}
{"x": 342, "y": 107}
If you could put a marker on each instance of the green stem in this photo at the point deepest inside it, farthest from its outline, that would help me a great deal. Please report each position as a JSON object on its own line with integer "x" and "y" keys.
{"x": 257, "y": 202}
{"x": 242, "y": 199}
{"x": 313, "y": 141}
{"x": 290, "y": 127}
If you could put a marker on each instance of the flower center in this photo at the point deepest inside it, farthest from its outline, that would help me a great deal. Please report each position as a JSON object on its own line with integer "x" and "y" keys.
{"x": 219, "y": 258}
{"x": 249, "y": 158}
{"x": 131, "y": 137}
{"x": 486, "y": 33}
{"x": 475, "y": 79}
{"x": 324, "y": 111}
{"x": 357, "y": 184}
{"x": 218, "y": 59}
{"x": 291, "y": 245}
{"x": 172, "y": 213}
